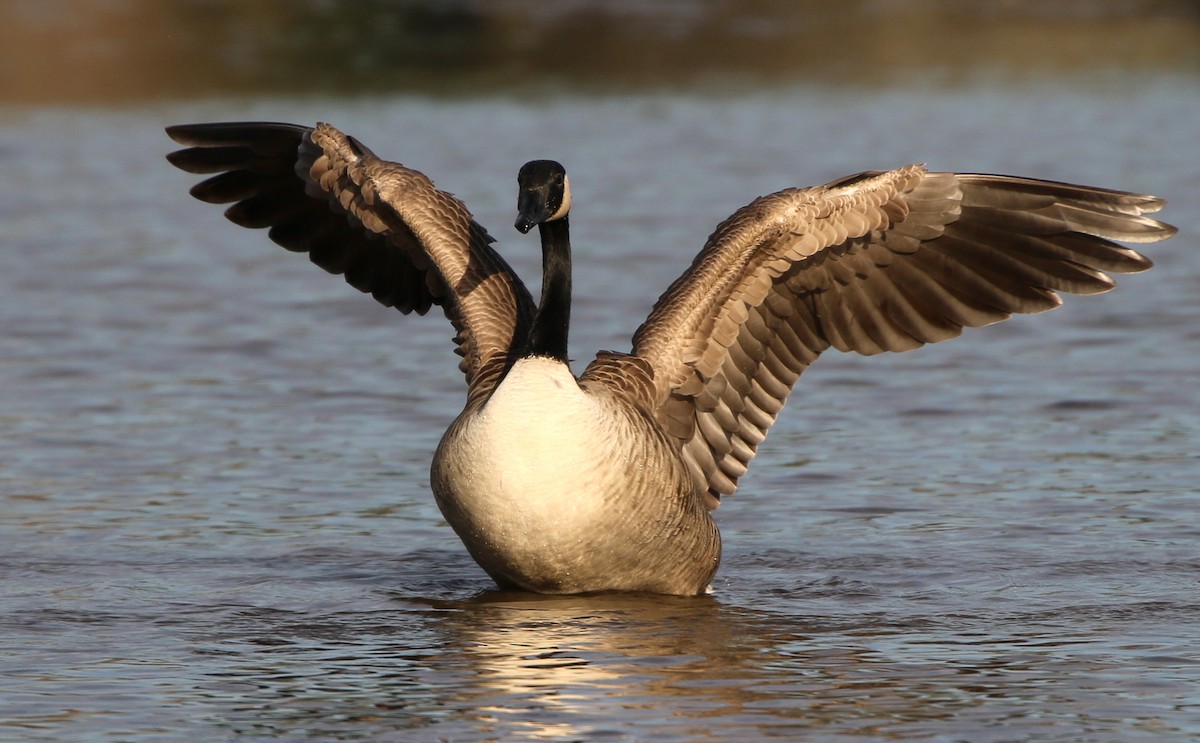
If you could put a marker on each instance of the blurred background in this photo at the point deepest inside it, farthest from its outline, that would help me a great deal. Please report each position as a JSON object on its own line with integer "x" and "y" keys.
{"x": 116, "y": 50}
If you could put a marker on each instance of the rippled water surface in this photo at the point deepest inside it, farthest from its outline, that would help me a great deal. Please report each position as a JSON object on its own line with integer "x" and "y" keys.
{"x": 216, "y": 520}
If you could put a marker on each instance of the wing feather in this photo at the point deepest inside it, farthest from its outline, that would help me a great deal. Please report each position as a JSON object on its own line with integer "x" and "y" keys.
{"x": 879, "y": 261}
{"x": 383, "y": 226}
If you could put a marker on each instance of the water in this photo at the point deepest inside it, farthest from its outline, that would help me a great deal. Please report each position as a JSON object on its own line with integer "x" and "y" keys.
{"x": 216, "y": 519}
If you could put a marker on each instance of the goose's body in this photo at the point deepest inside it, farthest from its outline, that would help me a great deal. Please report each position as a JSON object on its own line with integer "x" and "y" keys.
{"x": 605, "y": 482}
{"x": 561, "y": 506}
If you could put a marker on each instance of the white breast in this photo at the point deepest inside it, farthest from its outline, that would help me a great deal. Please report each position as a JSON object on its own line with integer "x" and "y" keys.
{"x": 526, "y": 468}
{"x": 558, "y": 490}
{"x": 538, "y": 429}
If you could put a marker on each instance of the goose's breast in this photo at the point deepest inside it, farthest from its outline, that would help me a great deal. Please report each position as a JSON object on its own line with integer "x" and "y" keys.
{"x": 536, "y": 455}
{"x": 545, "y": 483}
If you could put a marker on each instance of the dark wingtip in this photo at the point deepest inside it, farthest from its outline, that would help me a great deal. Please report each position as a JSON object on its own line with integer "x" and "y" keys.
{"x": 188, "y": 134}
{"x": 264, "y": 136}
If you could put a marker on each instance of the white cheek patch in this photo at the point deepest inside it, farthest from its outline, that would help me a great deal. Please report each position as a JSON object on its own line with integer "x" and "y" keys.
{"x": 566, "y": 201}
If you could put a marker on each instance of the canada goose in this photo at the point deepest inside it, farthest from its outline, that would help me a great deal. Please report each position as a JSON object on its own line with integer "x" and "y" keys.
{"x": 560, "y": 484}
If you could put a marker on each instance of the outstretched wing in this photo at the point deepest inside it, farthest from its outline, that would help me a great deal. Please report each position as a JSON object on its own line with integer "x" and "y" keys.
{"x": 880, "y": 261}
{"x": 385, "y": 227}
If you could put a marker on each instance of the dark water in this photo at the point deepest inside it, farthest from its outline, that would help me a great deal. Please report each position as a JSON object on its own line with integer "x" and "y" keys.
{"x": 216, "y": 522}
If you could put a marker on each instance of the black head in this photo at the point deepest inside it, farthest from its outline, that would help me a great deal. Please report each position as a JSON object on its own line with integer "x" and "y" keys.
{"x": 543, "y": 194}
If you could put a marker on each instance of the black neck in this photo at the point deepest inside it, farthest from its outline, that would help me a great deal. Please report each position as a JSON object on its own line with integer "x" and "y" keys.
{"x": 548, "y": 336}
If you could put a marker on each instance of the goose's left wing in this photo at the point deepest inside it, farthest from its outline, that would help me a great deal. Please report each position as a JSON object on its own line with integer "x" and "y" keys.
{"x": 385, "y": 227}
{"x": 880, "y": 261}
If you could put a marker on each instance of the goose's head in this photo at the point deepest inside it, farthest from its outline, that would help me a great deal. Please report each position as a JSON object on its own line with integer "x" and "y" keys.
{"x": 543, "y": 195}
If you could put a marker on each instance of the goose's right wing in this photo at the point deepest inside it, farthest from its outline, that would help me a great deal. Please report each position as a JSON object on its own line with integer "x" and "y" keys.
{"x": 384, "y": 226}
{"x": 881, "y": 261}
